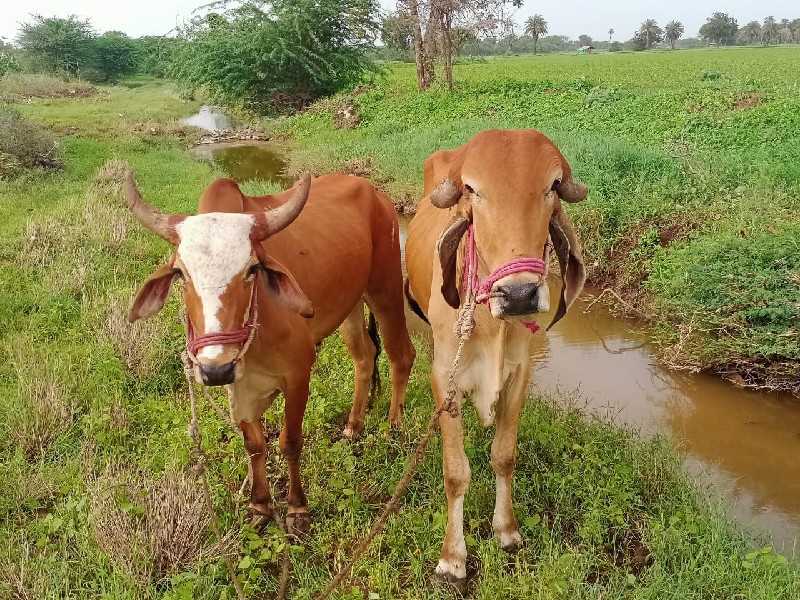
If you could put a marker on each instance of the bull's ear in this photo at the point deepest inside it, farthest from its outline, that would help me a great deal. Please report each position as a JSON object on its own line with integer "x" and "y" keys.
{"x": 570, "y": 259}
{"x": 447, "y": 247}
{"x": 283, "y": 286}
{"x": 154, "y": 293}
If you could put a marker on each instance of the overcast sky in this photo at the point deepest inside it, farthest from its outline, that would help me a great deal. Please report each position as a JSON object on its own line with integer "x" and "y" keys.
{"x": 571, "y": 18}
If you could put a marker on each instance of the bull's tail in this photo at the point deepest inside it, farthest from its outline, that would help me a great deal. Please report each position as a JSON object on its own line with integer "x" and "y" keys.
{"x": 413, "y": 304}
{"x": 375, "y": 384}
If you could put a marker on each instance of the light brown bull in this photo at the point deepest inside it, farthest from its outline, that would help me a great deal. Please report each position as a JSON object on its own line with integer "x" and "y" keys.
{"x": 264, "y": 279}
{"x": 507, "y": 186}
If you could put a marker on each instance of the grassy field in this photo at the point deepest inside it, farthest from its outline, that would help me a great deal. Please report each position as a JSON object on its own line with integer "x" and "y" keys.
{"x": 693, "y": 161}
{"x": 96, "y": 501}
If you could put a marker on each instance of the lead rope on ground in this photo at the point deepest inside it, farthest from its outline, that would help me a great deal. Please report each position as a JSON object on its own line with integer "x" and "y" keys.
{"x": 463, "y": 328}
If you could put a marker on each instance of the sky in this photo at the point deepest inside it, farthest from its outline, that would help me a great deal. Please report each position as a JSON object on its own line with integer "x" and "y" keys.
{"x": 570, "y": 18}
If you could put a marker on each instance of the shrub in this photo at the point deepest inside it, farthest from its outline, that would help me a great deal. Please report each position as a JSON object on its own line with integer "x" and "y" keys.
{"x": 58, "y": 45}
{"x": 23, "y": 144}
{"x": 306, "y": 48}
{"x": 115, "y": 55}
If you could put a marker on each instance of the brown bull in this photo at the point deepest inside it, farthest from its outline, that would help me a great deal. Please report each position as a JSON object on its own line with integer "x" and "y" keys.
{"x": 503, "y": 189}
{"x": 260, "y": 294}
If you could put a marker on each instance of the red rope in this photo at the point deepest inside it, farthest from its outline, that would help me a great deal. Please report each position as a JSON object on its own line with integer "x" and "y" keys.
{"x": 240, "y": 336}
{"x": 483, "y": 286}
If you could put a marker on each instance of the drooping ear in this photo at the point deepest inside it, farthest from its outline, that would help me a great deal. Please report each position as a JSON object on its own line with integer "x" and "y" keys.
{"x": 447, "y": 247}
{"x": 154, "y": 293}
{"x": 283, "y": 286}
{"x": 570, "y": 259}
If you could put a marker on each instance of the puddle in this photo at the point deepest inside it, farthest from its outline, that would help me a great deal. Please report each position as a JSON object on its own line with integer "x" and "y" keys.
{"x": 744, "y": 443}
{"x": 243, "y": 161}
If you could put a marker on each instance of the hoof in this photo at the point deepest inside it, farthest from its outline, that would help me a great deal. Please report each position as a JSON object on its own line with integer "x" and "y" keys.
{"x": 298, "y": 524}
{"x": 259, "y": 516}
{"x": 352, "y": 431}
{"x": 452, "y": 574}
{"x": 511, "y": 542}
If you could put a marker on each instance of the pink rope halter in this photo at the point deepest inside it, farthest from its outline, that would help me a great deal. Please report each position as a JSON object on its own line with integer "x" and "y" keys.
{"x": 482, "y": 287}
{"x": 239, "y": 336}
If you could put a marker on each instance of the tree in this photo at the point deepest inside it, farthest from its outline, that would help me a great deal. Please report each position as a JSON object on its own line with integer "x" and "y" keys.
{"x": 751, "y": 32}
{"x": 651, "y": 32}
{"x": 58, "y": 45}
{"x": 291, "y": 51}
{"x": 157, "y": 54}
{"x": 720, "y": 29}
{"x": 610, "y": 33}
{"x": 397, "y": 31}
{"x": 769, "y": 31}
{"x": 535, "y": 27}
{"x": 672, "y": 32}
{"x": 115, "y": 55}
{"x": 795, "y": 27}
{"x": 584, "y": 40}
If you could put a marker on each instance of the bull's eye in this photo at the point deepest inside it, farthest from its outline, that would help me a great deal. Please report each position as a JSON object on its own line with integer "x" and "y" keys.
{"x": 554, "y": 187}
{"x": 251, "y": 272}
{"x": 469, "y": 189}
{"x": 179, "y": 275}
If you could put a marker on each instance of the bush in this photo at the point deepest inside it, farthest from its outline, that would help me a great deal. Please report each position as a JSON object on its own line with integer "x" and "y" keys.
{"x": 115, "y": 55}
{"x": 304, "y": 48}
{"x": 23, "y": 144}
{"x": 58, "y": 45}
{"x": 615, "y": 47}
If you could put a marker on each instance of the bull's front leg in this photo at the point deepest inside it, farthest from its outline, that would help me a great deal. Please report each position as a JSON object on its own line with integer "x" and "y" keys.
{"x": 452, "y": 566}
{"x": 256, "y": 446}
{"x": 291, "y": 442}
{"x": 504, "y": 453}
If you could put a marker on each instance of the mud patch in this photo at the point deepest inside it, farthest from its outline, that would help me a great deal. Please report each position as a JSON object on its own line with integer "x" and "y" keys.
{"x": 747, "y": 101}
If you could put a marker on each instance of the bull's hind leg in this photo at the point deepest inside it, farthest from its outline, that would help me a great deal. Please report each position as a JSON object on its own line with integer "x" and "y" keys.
{"x": 356, "y": 338}
{"x": 389, "y": 310}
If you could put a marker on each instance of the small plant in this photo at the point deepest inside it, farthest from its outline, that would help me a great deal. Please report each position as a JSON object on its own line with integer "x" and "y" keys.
{"x": 598, "y": 96}
{"x": 711, "y": 75}
{"x": 23, "y": 144}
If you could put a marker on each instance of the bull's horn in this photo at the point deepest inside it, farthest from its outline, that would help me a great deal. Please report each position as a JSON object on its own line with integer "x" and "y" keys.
{"x": 446, "y": 195}
{"x": 572, "y": 190}
{"x": 157, "y": 222}
{"x": 272, "y": 221}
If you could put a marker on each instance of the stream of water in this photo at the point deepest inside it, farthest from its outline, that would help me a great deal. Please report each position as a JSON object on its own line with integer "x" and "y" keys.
{"x": 744, "y": 444}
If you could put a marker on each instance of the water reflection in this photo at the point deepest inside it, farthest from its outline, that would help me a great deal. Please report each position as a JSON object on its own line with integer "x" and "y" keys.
{"x": 211, "y": 119}
{"x": 243, "y": 161}
{"x": 745, "y": 443}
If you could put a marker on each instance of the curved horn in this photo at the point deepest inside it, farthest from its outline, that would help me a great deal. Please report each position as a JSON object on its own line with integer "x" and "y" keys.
{"x": 157, "y": 222}
{"x": 572, "y": 190}
{"x": 446, "y": 195}
{"x": 272, "y": 221}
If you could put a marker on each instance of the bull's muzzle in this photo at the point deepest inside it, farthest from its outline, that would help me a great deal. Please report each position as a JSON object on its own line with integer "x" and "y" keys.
{"x": 518, "y": 299}
{"x": 217, "y": 374}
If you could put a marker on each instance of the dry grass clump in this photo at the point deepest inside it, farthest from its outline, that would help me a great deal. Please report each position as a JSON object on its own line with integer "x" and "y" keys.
{"x": 44, "y": 414}
{"x": 151, "y": 528}
{"x": 24, "y": 145}
{"x": 134, "y": 343}
{"x": 45, "y": 240}
{"x": 104, "y": 206}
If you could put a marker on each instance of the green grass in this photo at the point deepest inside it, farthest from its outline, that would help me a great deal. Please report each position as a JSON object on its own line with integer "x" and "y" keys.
{"x": 93, "y": 411}
{"x": 677, "y": 165}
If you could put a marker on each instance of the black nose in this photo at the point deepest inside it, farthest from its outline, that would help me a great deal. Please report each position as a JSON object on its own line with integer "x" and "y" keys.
{"x": 217, "y": 374}
{"x": 519, "y": 299}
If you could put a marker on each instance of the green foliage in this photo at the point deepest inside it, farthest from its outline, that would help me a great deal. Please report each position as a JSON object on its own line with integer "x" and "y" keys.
{"x": 58, "y": 45}
{"x": 115, "y": 56}
{"x": 8, "y": 63}
{"x": 302, "y": 49}
{"x": 720, "y": 29}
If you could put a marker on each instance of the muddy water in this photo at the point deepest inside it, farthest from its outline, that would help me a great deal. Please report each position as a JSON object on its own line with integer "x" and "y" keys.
{"x": 744, "y": 445}
{"x": 262, "y": 161}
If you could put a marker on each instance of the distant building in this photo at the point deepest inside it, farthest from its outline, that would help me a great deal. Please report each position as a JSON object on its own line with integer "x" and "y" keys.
{"x": 585, "y": 49}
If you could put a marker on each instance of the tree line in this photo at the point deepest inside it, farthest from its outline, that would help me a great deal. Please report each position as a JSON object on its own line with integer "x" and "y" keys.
{"x": 286, "y": 53}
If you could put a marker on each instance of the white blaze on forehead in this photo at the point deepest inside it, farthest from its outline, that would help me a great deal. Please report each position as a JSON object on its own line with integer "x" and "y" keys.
{"x": 214, "y": 248}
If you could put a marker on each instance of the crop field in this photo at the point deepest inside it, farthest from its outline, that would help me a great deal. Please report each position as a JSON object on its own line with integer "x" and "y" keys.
{"x": 692, "y": 159}
{"x": 97, "y": 500}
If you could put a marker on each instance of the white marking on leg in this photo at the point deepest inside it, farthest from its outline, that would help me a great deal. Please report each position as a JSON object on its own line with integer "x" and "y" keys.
{"x": 455, "y": 565}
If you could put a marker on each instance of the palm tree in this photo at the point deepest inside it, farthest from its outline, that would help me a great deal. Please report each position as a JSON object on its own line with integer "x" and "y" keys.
{"x": 770, "y": 30}
{"x": 649, "y": 29}
{"x": 535, "y": 27}
{"x": 610, "y": 33}
{"x": 752, "y": 31}
{"x": 672, "y": 32}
